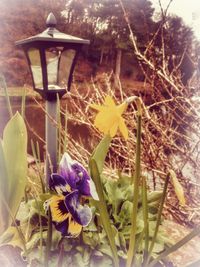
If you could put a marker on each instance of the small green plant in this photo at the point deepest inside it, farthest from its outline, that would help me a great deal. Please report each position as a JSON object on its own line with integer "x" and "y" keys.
{"x": 120, "y": 226}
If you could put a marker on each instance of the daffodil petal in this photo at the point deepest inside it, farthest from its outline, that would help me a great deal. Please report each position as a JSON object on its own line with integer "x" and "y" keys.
{"x": 113, "y": 129}
{"x": 109, "y": 117}
{"x": 109, "y": 101}
{"x": 97, "y": 107}
{"x": 100, "y": 122}
{"x": 123, "y": 129}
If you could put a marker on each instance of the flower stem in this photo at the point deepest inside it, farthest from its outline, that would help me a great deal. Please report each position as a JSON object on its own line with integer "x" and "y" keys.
{"x": 158, "y": 219}
{"x": 132, "y": 241}
{"x": 49, "y": 239}
{"x": 145, "y": 217}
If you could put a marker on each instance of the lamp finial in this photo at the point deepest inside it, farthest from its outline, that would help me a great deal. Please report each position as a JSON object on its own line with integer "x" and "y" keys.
{"x": 51, "y": 20}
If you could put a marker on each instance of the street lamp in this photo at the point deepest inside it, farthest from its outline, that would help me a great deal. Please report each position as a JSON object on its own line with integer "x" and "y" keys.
{"x": 51, "y": 56}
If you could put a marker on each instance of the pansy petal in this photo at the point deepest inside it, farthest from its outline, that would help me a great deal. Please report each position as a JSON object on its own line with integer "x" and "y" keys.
{"x": 66, "y": 170}
{"x": 123, "y": 129}
{"x": 74, "y": 228}
{"x": 109, "y": 101}
{"x": 59, "y": 184}
{"x": 81, "y": 214}
{"x": 82, "y": 179}
{"x": 69, "y": 228}
{"x": 93, "y": 191}
{"x": 58, "y": 208}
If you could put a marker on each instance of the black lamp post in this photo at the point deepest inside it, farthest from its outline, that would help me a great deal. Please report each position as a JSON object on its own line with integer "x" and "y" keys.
{"x": 51, "y": 57}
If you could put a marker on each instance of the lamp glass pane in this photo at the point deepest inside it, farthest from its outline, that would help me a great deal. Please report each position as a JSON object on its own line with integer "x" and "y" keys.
{"x": 34, "y": 57}
{"x": 52, "y": 59}
{"x": 66, "y": 61}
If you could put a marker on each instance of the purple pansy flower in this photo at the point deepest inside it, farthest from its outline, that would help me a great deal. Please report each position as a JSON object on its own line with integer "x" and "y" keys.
{"x": 71, "y": 183}
{"x": 77, "y": 176}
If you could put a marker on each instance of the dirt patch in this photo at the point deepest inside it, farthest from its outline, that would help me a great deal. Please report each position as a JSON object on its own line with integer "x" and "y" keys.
{"x": 187, "y": 254}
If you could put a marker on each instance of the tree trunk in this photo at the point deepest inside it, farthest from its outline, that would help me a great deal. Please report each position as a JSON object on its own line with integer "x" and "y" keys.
{"x": 101, "y": 57}
{"x": 118, "y": 66}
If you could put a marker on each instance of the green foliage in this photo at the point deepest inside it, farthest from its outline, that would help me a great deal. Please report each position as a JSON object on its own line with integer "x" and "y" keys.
{"x": 100, "y": 152}
{"x": 13, "y": 169}
{"x": 101, "y": 205}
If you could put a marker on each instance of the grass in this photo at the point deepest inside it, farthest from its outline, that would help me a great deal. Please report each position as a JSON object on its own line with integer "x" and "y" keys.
{"x": 18, "y": 91}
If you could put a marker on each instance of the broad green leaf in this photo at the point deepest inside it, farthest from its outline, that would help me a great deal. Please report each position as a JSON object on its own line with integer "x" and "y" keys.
{"x": 3, "y": 191}
{"x": 126, "y": 210}
{"x": 11, "y": 237}
{"x": 15, "y": 152}
{"x": 154, "y": 196}
{"x": 100, "y": 152}
{"x": 91, "y": 240}
{"x": 178, "y": 188}
{"x": 34, "y": 240}
{"x": 105, "y": 250}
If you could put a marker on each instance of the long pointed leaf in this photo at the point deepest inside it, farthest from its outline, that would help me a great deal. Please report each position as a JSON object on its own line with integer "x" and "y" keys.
{"x": 100, "y": 152}
{"x": 3, "y": 191}
{"x": 3, "y": 84}
{"x": 15, "y": 152}
{"x": 101, "y": 205}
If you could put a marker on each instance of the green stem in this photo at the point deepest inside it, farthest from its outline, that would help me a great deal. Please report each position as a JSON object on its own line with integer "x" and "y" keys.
{"x": 37, "y": 165}
{"x": 49, "y": 239}
{"x": 3, "y": 83}
{"x": 23, "y": 105}
{"x": 131, "y": 249}
{"x": 145, "y": 217}
{"x": 40, "y": 223}
{"x": 158, "y": 218}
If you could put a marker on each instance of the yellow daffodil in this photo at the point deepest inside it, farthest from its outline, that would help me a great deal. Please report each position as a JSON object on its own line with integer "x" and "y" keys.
{"x": 109, "y": 117}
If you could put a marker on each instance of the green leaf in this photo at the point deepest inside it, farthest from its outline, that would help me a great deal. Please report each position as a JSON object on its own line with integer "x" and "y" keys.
{"x": 101, "y": 205}
{"x": 100, "y": 152}
{"x": 34, "y": 240}
{"x": 15, "y": 153}
{"x": 3, "y": 191}
{"x": 11, "y": 237}
{"x": 158, "y": 222}
{"x": 154, "y": 196}
{"x": 91, "y": 239}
